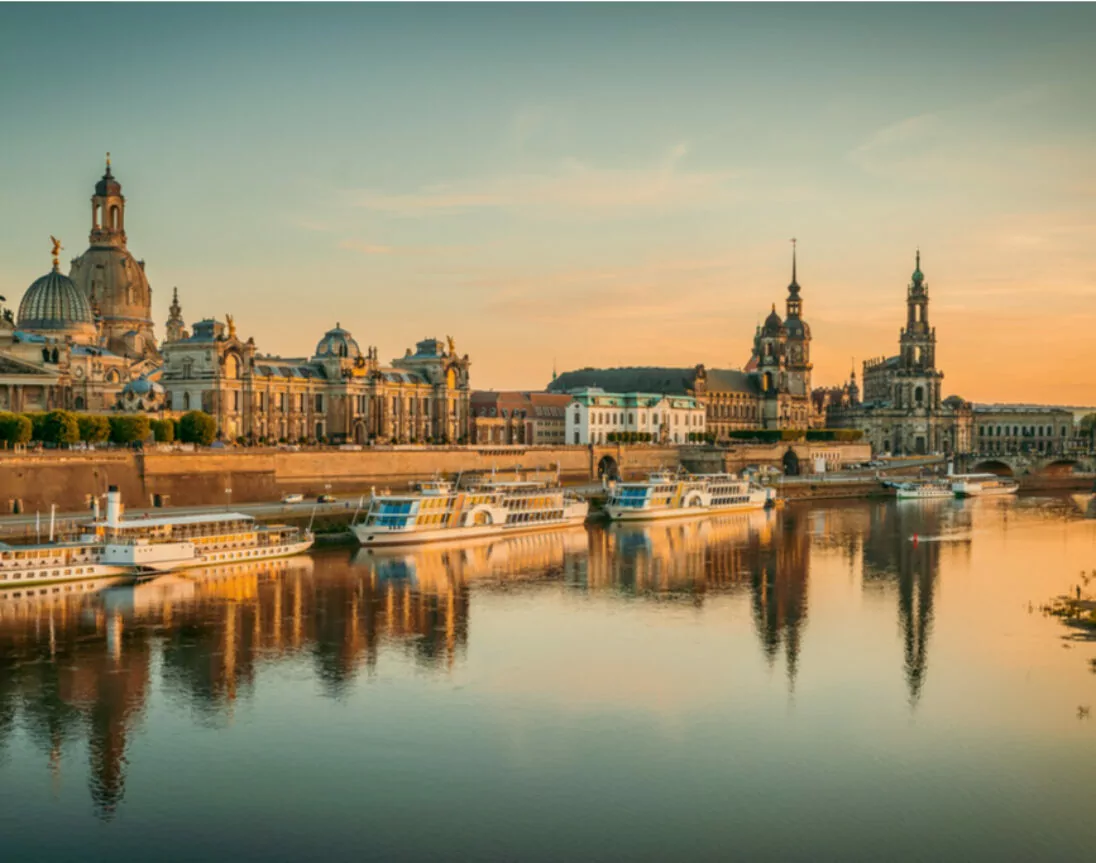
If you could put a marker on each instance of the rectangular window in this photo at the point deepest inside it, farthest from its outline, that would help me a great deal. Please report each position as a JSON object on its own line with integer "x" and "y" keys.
{"x": 236, "y": 400}
{"x": 301, "y": 402}
{"x": 319, "y": 403}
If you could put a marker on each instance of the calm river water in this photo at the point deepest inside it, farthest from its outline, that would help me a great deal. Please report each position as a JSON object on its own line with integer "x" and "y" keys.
{"x": 802, "y": 685}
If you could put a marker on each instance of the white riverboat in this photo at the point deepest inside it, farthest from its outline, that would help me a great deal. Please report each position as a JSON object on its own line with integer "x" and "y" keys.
{"x": 117, "y": 546}
{"x": 668, "y": 495}
{"x": 146, "y": 545}
{"x": 33, "y": 566}
{"x": 982, "y": 484}
{"x": 923, "y": 488}
{"x": 439, "y": 510}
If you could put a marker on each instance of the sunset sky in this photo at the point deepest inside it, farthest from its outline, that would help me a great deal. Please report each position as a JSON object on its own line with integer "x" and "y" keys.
{"x": 589, "y": 185}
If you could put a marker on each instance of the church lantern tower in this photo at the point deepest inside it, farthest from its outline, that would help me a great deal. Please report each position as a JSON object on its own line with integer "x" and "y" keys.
{"x": 113, "y": 281}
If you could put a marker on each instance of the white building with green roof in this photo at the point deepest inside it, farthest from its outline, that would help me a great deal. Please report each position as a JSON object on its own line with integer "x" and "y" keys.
{"x": 595, "y": 416}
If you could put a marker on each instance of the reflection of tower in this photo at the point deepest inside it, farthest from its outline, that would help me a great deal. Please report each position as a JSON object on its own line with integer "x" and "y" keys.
{"x": 119, "y": 688}
{"x": 890, "y": 555}
{"x": 779, "y": 587}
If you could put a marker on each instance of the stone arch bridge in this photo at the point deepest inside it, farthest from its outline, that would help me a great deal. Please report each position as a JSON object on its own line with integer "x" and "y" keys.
{"x": 1029, "y": 465}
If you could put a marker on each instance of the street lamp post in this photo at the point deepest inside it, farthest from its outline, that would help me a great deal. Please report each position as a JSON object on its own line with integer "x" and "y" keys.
{"x": 228, "y": 497}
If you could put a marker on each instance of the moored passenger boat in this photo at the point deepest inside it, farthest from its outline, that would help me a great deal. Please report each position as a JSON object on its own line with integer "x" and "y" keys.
{"x": 667, "y": 495}
{"x": 982, "y": 484}
{"x": 53, "y": 563}
{"x": 187, "y": 541}
{"x": 924, "y": 488}
{"x": 439, "y": 510}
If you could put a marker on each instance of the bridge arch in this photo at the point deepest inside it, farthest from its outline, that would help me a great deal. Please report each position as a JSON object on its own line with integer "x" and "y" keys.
{"x": 993, "y": 466}
{"x": 1059, "y": 467}
{"x": 608, "y": 468}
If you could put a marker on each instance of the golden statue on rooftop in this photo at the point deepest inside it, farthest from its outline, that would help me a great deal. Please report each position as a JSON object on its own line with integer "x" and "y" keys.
{"x": 231, "y": 326}
{"x": 56, "y": 251}
{"x": 452, "y": 345}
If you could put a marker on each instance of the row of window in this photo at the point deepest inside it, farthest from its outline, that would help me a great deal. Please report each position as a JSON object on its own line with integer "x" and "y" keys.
{"x": 615, "y": 418}
{"x": 1020, "y": 431}
{"x": 56, "y": 573}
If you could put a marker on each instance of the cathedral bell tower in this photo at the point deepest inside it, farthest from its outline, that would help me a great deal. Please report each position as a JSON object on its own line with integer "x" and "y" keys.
{"x": 917, "y": 383}
{"x": 799, "y": 338}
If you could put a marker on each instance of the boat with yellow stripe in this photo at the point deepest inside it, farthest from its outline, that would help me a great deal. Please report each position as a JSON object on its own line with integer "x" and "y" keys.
{"x": 668, "y": 495}
{"x": 441, "y": 510}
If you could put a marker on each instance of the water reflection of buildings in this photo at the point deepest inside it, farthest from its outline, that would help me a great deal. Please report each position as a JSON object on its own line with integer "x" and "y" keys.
{"x": 764, "y": 553}
{"x": 76, "y": 665}
{"x": 894, "y": 561}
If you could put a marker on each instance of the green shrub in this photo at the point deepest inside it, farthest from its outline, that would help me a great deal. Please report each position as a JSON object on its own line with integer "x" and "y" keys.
{"x": 127, "y": 428}
{"x": 197, "y": 427}
{"x": 37, "y": 424}
{"x": 14, "y": 429}
{"x": 163, "y": 431}
{"x": 60, "y": 427}
{"x": 94, "y": 428}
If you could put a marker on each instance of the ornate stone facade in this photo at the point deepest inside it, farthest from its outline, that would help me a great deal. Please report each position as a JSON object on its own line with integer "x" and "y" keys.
{"x": 902, "y": 410}
{"x": 78, "y": 340}
{"x": 339, "y": 394}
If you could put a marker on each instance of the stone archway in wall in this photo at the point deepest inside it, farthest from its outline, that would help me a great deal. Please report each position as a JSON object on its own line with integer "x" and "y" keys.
{"x": 360, "y": 435}
{"x": 1059, "y": 467}
{"x": 993, "y": 466}
{"x": 791, "y": 463}
{"x": 608, "y": 468}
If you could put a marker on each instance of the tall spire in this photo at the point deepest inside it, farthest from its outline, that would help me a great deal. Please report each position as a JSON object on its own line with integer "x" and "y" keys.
{"x": 793, "y": 288}
{"x": 918, "y": 276}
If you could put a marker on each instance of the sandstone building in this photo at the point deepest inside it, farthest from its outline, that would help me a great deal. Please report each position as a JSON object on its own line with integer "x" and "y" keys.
{"x": 518, "y": 417}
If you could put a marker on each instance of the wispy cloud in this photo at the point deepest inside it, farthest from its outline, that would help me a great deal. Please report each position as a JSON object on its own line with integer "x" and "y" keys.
{"x": 897, "y": 135}
{"x": 574, "y": 185}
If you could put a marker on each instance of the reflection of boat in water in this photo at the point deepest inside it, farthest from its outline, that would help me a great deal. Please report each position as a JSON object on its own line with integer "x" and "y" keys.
{"x": 17, "y": 600}
{"x": 438, "y": 510}
{"x": 701, "y": 531}
{"x": 145, "y": 594}
{"x": 474, "y": 557}
{"x": 666, "y": 495}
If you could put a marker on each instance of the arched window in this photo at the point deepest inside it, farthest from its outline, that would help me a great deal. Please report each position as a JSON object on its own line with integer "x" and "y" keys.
{"x": 919, "y": 395}
{"x": 115, "y": 218}
{"x": 232, "y": 366}
{"x": 186, "y": 401}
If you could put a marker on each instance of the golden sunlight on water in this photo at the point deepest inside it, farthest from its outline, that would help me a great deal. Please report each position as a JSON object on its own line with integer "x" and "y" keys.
{"x": 877, "y": 673}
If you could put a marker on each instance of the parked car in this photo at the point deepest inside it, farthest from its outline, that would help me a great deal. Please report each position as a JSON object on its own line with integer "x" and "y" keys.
{"x": 293, "y": 498}
{"x": 326, "y": 498}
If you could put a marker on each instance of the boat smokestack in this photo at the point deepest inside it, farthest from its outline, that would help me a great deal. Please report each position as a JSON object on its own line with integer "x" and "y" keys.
{"x": 114, "y": 507}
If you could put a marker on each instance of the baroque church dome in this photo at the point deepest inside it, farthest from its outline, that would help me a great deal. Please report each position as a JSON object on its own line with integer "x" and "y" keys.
{"x": 338, "y": 343}
{"x": 772, "y": 323}
{"x": 55, "y": 305}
